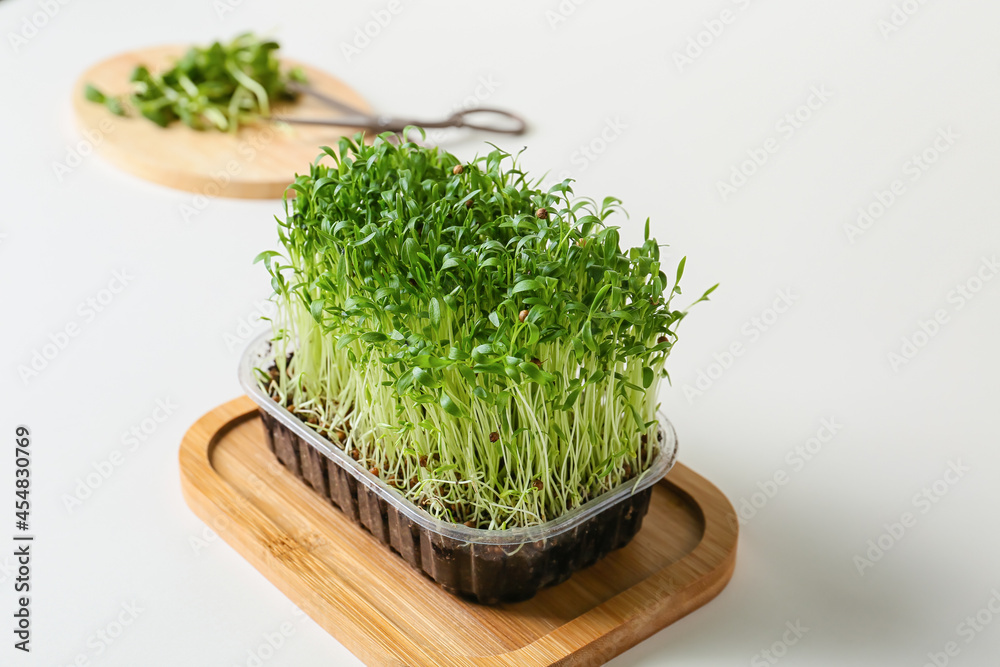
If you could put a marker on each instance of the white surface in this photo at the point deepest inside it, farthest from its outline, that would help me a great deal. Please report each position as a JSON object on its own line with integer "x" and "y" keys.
{"x": 163, "y": 336}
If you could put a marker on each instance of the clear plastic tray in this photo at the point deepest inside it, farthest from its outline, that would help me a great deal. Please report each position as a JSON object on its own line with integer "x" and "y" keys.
{"x": 472, "y": 562}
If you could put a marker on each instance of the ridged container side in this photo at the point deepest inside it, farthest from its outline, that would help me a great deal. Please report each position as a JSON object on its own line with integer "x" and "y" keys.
{"x": 485, "y": 573}
{"x": 485, "y": 566}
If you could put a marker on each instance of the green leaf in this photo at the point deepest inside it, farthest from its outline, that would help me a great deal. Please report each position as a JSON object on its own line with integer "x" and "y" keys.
{"x": 93, "y": 94}
{"x": 450, "y": 406}
{"x": 374, "y": 337}
{"x": 429, "y": 361}
{"x": 635, "y": 415}
{"x": 316, "y": 309}
{"x": 369, "y": 237}
{"x": 588, "y": 337}
{"x": 411, "y": 252}
{"x": 425, "y": 378}
{"x": 571, "y": 398}
{"x": 599, "y": 298}
{"x": 346, "y": 339}
{"x": 266, "y": 255}
{"x": 704, "y": 297}
{"x": 533, "y": 333}
{"x": 482, "y": 353}
{"x": 467, "y": 373}
{"x": 525, "y": 286}
{"x": 115, "y": 106}
{"x": 404, "y": 381}
{"x": 647, "y": 377}
{"x": 320, "y": 183}
{"x": 434, "y": 311}
{"x": 535, "y": 373}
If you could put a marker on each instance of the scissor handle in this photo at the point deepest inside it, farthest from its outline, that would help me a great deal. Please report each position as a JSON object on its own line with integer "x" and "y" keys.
{"x": 457, "y": 119}
{"x": 460, "y": 119}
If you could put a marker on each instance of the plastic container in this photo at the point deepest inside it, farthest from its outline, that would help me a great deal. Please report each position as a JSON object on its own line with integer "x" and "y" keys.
{"x": 486, "y": 566}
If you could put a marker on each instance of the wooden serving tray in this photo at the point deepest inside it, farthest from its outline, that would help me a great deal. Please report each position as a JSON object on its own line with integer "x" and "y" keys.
{"x": 257, "y": 162}
{"x": 386, "y": 613}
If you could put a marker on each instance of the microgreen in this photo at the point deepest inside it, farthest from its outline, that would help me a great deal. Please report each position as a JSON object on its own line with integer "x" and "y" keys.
{"x": 222, "y": 86}
{"x": 483, "y": 344}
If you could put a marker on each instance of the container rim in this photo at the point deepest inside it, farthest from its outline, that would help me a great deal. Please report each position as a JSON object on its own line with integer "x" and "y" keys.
{"x": 258, "y": 351}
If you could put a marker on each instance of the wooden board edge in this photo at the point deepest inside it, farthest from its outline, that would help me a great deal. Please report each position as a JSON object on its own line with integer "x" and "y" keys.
{"x": 640, "y": 611}
{"x": 679, "y": 589}
{"x": 209, "y": 497}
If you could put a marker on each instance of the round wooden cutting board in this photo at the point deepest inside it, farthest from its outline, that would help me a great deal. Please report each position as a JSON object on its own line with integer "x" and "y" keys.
{"x": 257, "y": 162}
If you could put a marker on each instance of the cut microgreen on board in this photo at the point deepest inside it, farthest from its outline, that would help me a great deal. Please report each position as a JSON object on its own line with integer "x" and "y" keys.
{"x": 220, "y": 87}
{"x": 481, "y": 344}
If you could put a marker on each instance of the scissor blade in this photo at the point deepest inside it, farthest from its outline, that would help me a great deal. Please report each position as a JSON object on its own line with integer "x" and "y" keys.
{"x": 363, "y": 122}
{"x": 377, "y": 124}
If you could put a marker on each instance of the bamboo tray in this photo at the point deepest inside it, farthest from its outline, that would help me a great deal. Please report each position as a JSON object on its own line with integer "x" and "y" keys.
{"x": 389, "y": 614}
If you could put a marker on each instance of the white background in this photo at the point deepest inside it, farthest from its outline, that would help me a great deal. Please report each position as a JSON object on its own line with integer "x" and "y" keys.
{"x": 683, "y": 129}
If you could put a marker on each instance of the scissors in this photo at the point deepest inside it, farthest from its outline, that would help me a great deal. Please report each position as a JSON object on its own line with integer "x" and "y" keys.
{"x": 514, "y": 125}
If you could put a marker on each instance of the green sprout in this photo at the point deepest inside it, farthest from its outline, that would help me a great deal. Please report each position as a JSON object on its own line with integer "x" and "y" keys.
{"x": 218, "y": 87}
{"x": 482, "y": 345}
